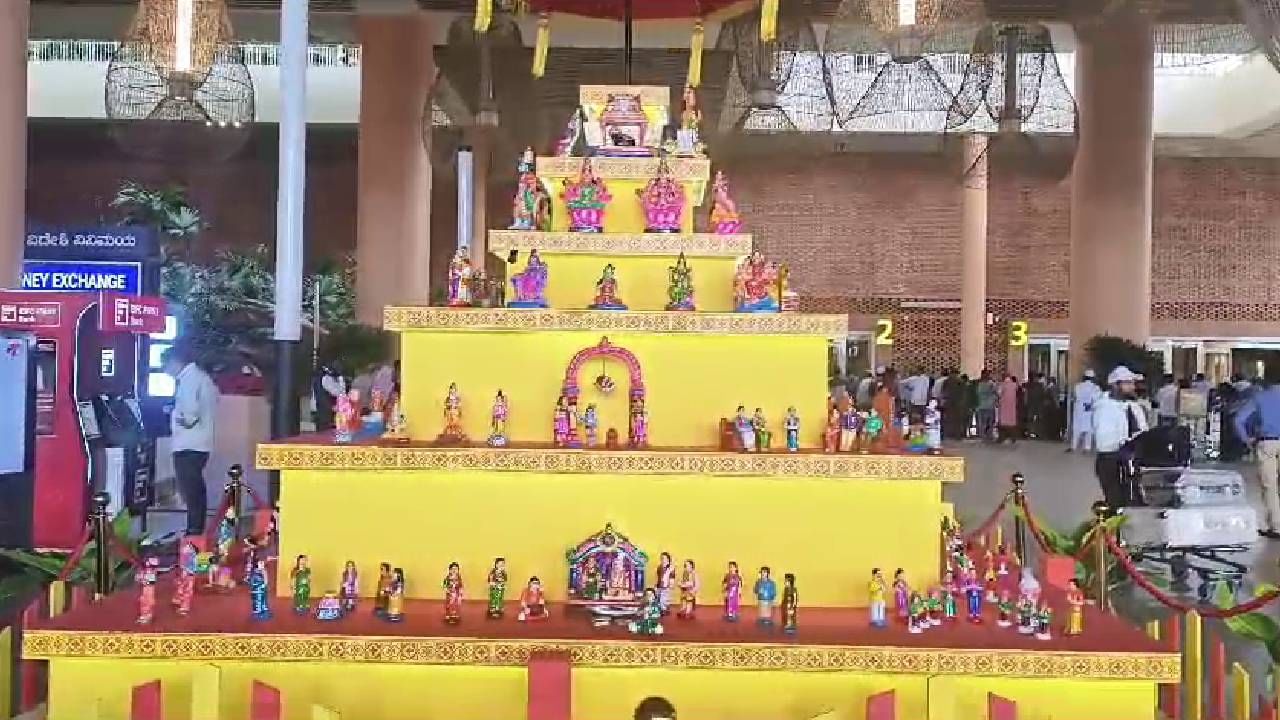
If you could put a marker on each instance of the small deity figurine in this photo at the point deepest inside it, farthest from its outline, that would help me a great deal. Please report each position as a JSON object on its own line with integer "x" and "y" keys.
{"x": 690, "y": 122}
{"x": 638, "y": 432}
{"x": 973, "y": 593}
{"x": 329, "y": 607}
{"x": 831, "y": 438}
{"x": 934, "y": 603}
{"x": 385, "y": 578}
{"x": 746, "y": 430}
{"x": 666, "y": 581}
{"x": 530, "y": 285}
{"x": 918, "y": 614}
{"x": 300, "y": 576}
{"x": 397, "y": 428}
{"x": 592, "y": 580}
{"x": 618, "y": 585}
{"x": 764, "y": 437}
{"x": 680, "y": 286}
{"x": 663, "y": 201}
{"x": 766, "y": 592}
{"x": 146, "y": 577}
{"x": 933, "y": 427}
{"x": 731, "y": 585}
{"x": 497, "y": 581}
{"x": 561, "y": 423}
{"x": 1026, "y": 616}
{"x": 533, "y": 604}
{"x": 755, "y": 285}
{"x": 848, "y": 429}
{"x": 453, "y": 432}
{"x": 649, "y": 621}
{"x": 591, "y": 425}
{"x": 1002, "y": 561}
{"x": 688, "y": 591}
{"x": 1044, "y": 622}
{"x": 572, "y": 139}
{"x": 531, "y": 208}
{"x": 349, "y": 588}
{"x": 607, "y": 291}
{"x": 872, "y": 428}
{"x": 461, "y": 275}
{"x": 346, "y": 416}
{"x": 1075, "y": 615}
{"x": 453, "y": 594}
{"x": 791, "y": 424}
{"x": 949, "y": 591}
{"x": 498, "y": 421}
{"x": 1005, "y": 607}
{"x": 877, "y": 591}
{"x": 1029, "y": 587}
{"x": 586, "y": 198}
{"x": 901, "y": 593}
{"x": 724, "y": 211}
{"x": 185, "y": 589}
{"x": 989, "y": 579}
{"x": 395, "y": 597}
{"x": 790, "y": 603}
{"x": 259, "y": 592}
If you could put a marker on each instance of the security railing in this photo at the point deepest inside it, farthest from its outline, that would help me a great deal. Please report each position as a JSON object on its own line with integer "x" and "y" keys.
{"x": 255, "y": 54}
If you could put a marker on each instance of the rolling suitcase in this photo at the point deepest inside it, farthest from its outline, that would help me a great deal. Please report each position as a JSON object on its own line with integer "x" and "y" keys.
{"x": 1185, "y": 527}
{"x": 1190, "y": 487}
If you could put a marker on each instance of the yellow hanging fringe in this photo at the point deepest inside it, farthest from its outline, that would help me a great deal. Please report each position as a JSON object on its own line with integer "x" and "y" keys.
{"x": 769, "y": 20}
{"x": 695, "y": 55}
{"x": 542, "y": 45}
{"x": 484, "y": 15}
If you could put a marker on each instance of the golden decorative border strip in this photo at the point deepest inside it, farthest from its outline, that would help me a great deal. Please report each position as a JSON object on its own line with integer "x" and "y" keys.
{"x": 1149, "y": 666}
{"x": 607, "y": 168}
{"x": 441, "y": 318}
{"x": 292, "y": 456}
{"x": 649, "y": 94}
{"x": 668, "y": 244}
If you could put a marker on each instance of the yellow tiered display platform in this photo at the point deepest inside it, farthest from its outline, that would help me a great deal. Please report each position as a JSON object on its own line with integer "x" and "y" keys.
{"x": 828, "y": 518}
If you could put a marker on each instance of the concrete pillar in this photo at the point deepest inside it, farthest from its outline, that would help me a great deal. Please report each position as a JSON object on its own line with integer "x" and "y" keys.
{"x": 393, "y": 216}
{"x": 14, "y": 18}
{"x": 482, "y": 153}
{"x": 1111, "y": 184}
{"x": 973, "y": 256}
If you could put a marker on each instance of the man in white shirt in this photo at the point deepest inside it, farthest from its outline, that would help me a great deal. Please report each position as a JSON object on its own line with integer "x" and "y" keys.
{"x": 195, "y": 404}
{"x": 1083, "y": 396}
{"x": 1116, "y": 421}
{"x": 1167, "y": 402}
{"x": 917, "y": 391}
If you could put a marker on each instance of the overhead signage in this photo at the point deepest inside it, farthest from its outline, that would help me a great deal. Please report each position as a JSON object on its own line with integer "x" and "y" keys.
{"x": 130, "y": 313}
{"x": 884, "y": 331}
{"x": 1019, "y": 333}
{"x": 88, "y": 276}
{"x": 30, "y": 314}
{"x": 104, "y": 243}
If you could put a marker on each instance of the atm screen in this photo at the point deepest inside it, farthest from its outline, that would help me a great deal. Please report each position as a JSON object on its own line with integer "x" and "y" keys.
{"x": 14, "y": 367}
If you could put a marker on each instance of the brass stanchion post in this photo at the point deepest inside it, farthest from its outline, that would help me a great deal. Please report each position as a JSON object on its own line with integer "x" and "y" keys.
{"x": 1019, "y": 523}
{"x": 235, "y": 496}
{"x": 102, "y": 540}
{"x": 1100, "y": 512}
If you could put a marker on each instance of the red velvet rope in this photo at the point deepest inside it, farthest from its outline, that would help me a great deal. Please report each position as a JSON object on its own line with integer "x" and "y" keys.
{"x": 77, "y": 555}
{"x": 989, "y": 523}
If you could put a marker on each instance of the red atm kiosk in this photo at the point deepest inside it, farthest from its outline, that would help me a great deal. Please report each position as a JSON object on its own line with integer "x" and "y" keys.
{"x": 84, "y": 346}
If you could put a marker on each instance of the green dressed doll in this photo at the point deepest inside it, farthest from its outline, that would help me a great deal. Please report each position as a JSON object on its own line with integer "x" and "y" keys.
{"x": 301, "y": 577}
{"x": 497, "y": 587}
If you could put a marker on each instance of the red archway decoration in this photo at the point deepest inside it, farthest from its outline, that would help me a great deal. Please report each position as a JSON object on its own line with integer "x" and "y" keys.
{"x": 604, "y": 350}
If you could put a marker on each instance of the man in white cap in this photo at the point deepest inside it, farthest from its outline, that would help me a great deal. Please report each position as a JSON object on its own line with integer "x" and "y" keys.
{"x": 1084, "y": 395}
{"x": 1116, "y": 422}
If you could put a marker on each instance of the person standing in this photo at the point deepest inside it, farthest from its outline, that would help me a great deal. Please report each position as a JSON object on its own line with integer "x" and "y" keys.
{"x": 191, "y": 428}
{"x": 328, "y": 387}
{"x": 1116, "y": 421}
{"x": 985, "y": 404}
{"x": 1265, "y": 404}
{"x": 1083, "y": 396}
{"x": 1007, "y": 409}
{"x": 916, "y": 389}
{"x": 1166, "y": 402}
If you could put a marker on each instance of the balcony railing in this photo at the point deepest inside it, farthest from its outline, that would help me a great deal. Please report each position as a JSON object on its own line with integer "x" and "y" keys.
{"x": 255, "y": 54}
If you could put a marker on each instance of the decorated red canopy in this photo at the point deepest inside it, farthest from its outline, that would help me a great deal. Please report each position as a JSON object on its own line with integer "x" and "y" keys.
{"x": 640, "y": 9}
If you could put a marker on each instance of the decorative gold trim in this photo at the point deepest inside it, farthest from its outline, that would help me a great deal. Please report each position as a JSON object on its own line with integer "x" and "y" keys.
{"x": 1149, "y": 666}
{"x": 403, "y": 318}
{"x": 296, "y": 456}
{"x": 665, "y": 244}
{"x": 695, "y": 170}
{"x": 649, "y": 94}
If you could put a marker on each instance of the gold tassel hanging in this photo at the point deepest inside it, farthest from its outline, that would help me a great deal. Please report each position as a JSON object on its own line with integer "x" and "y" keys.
{"x": 768, "y": 20}
{"x": 695, "y": 55}
{"x": 484, "y": 15}
{"x": 542, "y": 45}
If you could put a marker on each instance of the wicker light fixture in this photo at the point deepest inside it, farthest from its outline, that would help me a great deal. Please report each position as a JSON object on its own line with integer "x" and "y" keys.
{"x": 1263, "y": 19}
{"x": 178, "y": 71}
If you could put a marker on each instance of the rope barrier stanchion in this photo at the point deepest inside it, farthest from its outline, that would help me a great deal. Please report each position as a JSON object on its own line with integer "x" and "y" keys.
{"x": 990, "y": 522}
{"x": 1019, "y": 524}
{"x": 102, "y": 537}
{"x": 1100, "y": 512}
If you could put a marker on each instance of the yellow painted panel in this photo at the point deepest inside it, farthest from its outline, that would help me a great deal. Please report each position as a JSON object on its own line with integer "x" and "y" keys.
{"x": 965, "y": 698}
{"x": 824, "y": 530}
{"x": 206, "y": 692}
{"x": 642, "y": 280}
{"x": 691, "y": 380}
{"x": 6, "y": 672}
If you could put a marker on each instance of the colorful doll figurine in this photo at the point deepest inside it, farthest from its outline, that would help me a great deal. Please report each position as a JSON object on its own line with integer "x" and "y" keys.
{"x": 617, "y": 584}
{"x": 766, "y": 592}
{"x": 592, "y": 580}
{"x": 848, "y": 429}
{"x": 688, "y": 591}
{"x": 560, "y": 423}
{"x": 877, "y": 591}
{"x": 745, "y": 429}
{"x": 791, "y": 424}
{"x": 760, "y": 427}
{"x": 385, "y": 578}
{"x": 591, "y": 425}
{"x": 666, "y": 581}
{"x": 790, "y": 603}
{"x": 901, "y": 595}
{"x": 1026, "y": 616}
{"x": 680, "y": 286}
{"x": 949, "y": 591}
{"x": 498, "y": 421}
{"x": 453, "y": 594}
{"x": 185, "y": 588}
{"x": 497, "y": 587}
{"x": 329, "y": 608}
{"x": 732, "y": 588}
{"x": 989, "y": 577}
{"x": 1002, "y": 561}
{"x": 1075, "y": 616}
{"x": 533, "y": 603}
{"x": 226, "y": 537}
{"x": 934, "y": 604}
{"x": 301, "y": 578}
{"x": 933, "y": 427}
{"x": 607, "y": 291}
{"x": 395, "y": 597}
{"x": 259, "y": 592}
{"x": 1005, "y": 606}
{"x": 872, "y": 429}
{"x": 1029, "y": 587}
{"x": 639, "y": 427}
{"x": 254, "y": 546}
{"x": 918, "y": 619}
{"x": 146, "y": 578}
{"x": 461, "y": 274}
{"x": 973, "y": 593}
{"x": 649, "y": 622}
{"x": 350, "y": 586}
{"x": 1044, "y": 622}
{"x": 831, "y": 437}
